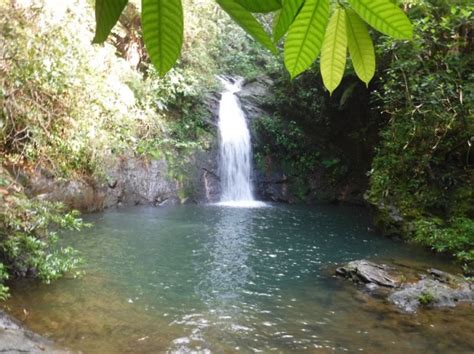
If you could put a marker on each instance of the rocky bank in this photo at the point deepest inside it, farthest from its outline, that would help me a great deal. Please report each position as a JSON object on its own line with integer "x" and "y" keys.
{"x": 409, "y": 289}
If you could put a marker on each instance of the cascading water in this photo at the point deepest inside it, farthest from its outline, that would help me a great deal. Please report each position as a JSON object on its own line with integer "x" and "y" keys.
{"x": 235, "y": 150}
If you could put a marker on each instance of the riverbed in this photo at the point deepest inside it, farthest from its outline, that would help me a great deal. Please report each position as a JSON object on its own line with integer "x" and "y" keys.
{"x": 220, "y": 279}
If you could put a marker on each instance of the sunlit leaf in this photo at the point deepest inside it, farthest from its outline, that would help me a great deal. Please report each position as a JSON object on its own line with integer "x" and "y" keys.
{"x": 360, "y": 46}
{"x": 334, "y": 50}
{"x": 162, "y": 22}
{"x": 305, "y": 36}
{"x": 285, "y": 18}
{"x": 246, "y": 20}
{"x": 107, "y": 13}
{"x": 262, "y": 6}
{"x": 385, "y": 17}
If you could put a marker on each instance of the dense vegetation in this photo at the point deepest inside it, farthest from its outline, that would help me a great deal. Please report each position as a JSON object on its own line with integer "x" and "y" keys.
{"x": 415, "y": 120}
{"x": 69, "y": 107}
{"x": 422, "y": 175}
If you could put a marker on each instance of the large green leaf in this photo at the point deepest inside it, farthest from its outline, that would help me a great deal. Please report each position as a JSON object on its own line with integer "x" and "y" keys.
{"x": 162, "y": 23}
{"x": 385, "y": 17}
{"x": 334, "y": 50}
{"x": 361, "y": 47}
{"x": 262, "y": 6}
{"x": 305, "y": 36}
{"x": 107, "y": 13}
{"x": 285, "y": 18}
{"x": 246, "y": 20}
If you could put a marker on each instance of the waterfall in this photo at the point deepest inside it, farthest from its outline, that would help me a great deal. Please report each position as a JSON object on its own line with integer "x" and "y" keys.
{"x": 235, "y": 150}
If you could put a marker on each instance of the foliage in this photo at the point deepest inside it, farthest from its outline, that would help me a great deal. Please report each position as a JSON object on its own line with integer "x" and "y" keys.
{"x": 28, "y": 236}
{"x": 454, "y": 236}
{"x": 237, "y": 54}
{"x": 305, "y": 21}
{"x": 3, "y": 288}
{"x": 67, "y": 106}
{"x": 423, "y": 166}
{"x": 58, "y": 96}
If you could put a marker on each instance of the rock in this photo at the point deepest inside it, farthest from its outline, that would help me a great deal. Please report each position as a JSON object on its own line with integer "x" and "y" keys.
{"x": 138, "y": 181}
{"x": 84, "y": 195}
{"x": 431, "y": 293}
{"x": 14, "y": 338}
{"x": 443, "y": 276}
{"x": 272, "y": 186}
{"x": 368, "y": 272}
{"x": 407, "y": 288}
{"x": 253, "y": 96}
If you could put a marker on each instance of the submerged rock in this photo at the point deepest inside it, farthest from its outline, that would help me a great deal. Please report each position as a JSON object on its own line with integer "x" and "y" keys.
{"x": 408, "y": 289}
{"x": 14, "y": 338}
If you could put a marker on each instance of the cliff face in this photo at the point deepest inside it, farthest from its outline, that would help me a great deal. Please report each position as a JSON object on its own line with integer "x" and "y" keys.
{"x": 310, "y": 147}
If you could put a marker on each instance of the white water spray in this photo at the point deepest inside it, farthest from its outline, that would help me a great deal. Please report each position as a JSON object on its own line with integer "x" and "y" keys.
{"x": 235, "y": 150}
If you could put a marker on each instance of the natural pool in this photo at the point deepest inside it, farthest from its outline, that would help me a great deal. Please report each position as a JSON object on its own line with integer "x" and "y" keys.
{"x": 210, "y": 278}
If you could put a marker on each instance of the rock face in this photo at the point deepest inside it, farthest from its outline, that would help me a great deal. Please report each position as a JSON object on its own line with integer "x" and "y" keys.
{"x": 16, "y": 339}
{"x": 136, "y": 181}
{"x": 408, "y": 289}
{"x": 253, "y": 96}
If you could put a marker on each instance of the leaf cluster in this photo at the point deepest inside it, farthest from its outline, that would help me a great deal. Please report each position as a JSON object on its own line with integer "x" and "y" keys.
{"x": 310, "y": 26}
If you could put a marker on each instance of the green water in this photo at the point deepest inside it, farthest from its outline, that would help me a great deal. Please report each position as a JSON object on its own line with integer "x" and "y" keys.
{"x": 208, "y": 278}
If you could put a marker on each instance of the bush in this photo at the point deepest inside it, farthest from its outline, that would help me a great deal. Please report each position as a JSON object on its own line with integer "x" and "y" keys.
{"x": 28, "y": 236}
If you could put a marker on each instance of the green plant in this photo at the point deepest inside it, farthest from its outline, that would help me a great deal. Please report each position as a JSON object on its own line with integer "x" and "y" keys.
{"x": 28, "y": 237}
{"x": 3, "y": 288}
{"x": 426, "y": 298}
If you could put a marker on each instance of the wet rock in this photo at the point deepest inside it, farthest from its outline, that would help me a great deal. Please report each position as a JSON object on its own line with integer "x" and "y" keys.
{"x": 272, "y": 186}
{"x": 409, "y": 289}
{"x": 363, "y": 271}
{"x": 253, "y": 95}
{"x": 431, "y": 293}
{"x": 14, "y": 338}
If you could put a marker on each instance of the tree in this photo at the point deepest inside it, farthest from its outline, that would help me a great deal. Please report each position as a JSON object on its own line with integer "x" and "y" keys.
{"x": 311, "y": 27}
